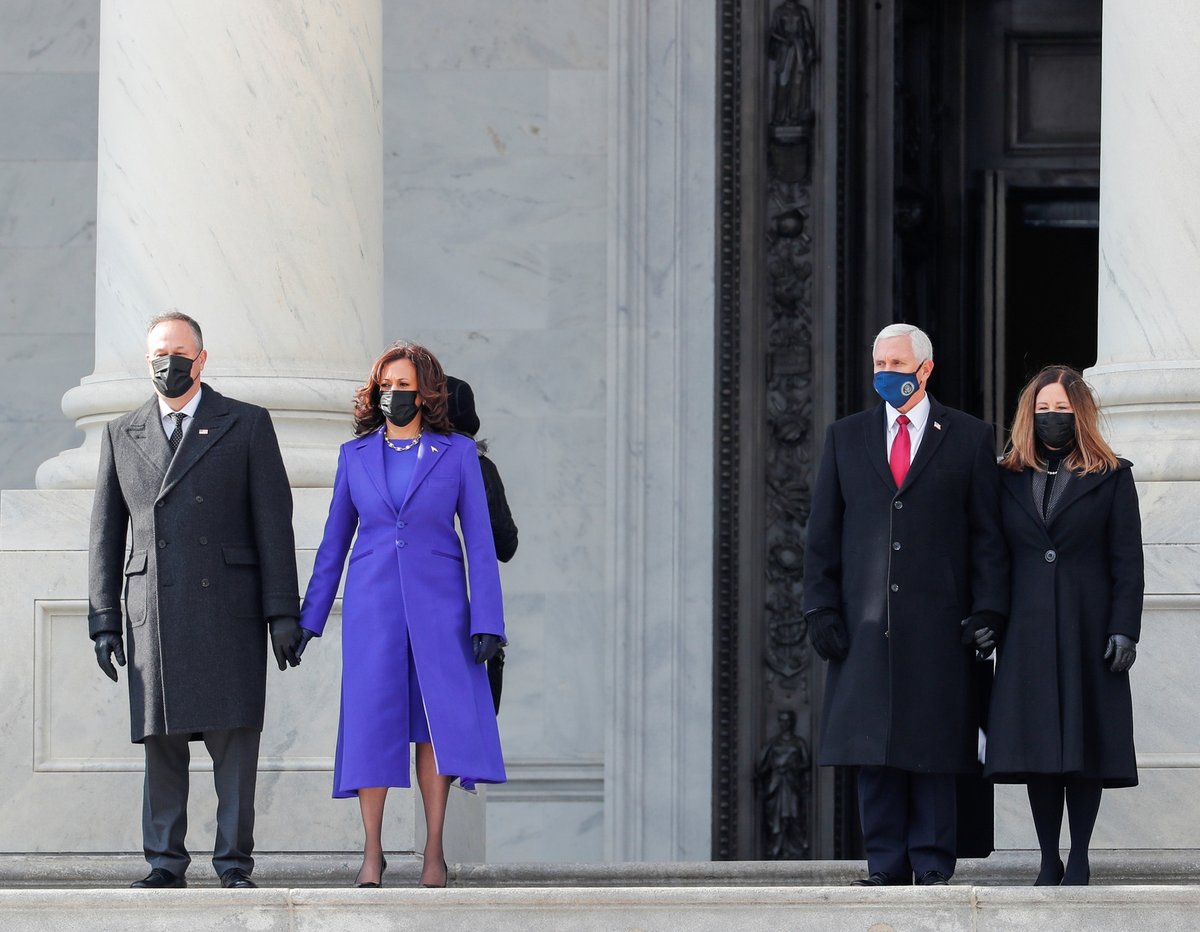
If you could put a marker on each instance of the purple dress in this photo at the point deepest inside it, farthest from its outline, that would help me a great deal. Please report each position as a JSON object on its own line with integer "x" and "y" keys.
{"x": 406, "y": 596}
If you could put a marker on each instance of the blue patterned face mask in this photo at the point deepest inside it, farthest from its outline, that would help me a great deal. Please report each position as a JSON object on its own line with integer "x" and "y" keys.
{"x": 896, "y": 388}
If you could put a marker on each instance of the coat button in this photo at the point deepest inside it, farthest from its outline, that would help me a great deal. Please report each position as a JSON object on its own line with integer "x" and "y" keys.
{"x": 401, "y": 525}
{"x": 1051, "y": 556}
{"x": 898, "y": 505}
{"x": 400, "y": 544}
{"x": 204, "y": 540}
{"x": 895, "y": 588}
{"x": 199, "y": 499}
{"x": 159, "y": 504}
{"x": 161, "y": 544}
{"x": 895, "y": 545}
{"x": 204, "y": 583}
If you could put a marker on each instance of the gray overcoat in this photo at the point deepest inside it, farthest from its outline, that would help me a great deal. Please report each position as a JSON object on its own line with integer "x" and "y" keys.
{"x": 212, "y": 559}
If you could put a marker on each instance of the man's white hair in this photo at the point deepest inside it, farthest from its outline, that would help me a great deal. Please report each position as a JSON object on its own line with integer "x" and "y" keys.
{"x": 921, "y": 344}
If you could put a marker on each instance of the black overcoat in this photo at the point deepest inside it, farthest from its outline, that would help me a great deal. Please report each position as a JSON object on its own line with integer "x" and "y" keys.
{"x": 904, "y": 567}
{"x": 212, "y": 558}
{"x": 1077, "y": 578}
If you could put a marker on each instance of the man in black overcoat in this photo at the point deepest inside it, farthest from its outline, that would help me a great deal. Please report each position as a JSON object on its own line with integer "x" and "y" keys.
{"x": 211, "y": 568}
{"x": 906, "y": 575}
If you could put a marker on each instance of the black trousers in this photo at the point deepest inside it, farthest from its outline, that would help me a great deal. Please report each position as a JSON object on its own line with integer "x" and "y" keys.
{"x": 908, "y": 821}
{"x": 165, "y": 795}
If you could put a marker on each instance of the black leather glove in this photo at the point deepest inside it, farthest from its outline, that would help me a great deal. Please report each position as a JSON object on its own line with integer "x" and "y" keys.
{"x": 982, "y": 629}
{"x": 305, "y": 637}
{"x": 485, "y": 646}
{"x": 285, "y": 638}
{"x": 827, "y": 632}
{"x": 1123, "y": 651}
{"x": 108, "y": 646}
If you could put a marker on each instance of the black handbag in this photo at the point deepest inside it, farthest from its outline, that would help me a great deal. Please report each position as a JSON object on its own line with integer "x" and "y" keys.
{"x": 495, "y": 672}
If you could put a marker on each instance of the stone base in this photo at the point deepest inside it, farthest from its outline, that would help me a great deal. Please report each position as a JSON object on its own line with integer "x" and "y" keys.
{"x": 829, "y": 909}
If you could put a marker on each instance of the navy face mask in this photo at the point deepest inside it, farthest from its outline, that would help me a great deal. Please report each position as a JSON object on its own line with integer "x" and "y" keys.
{"x": 398, "y": 407}
{"x": 896, "y": 388}
{"x": 172, "y": 375}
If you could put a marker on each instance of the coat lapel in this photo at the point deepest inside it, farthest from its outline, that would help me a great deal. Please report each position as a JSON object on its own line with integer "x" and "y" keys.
{"x": 1078, "y": 487}
{"x": 429, "y": 453}
{"x": 875, "y": 433}
{"x": 936, "y": 427}
{"x": 145, "y": 434}
{"x": 370, "y": 448}
{"x": 213, "y": 419}
{"x": 1020, "y": 486}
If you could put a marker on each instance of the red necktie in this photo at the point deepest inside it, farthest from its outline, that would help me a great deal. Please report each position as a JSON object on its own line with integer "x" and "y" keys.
{"x": 901, "y": 451}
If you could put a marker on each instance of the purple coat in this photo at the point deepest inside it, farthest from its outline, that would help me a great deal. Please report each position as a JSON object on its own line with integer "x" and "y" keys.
{"x": 407, "y": 583}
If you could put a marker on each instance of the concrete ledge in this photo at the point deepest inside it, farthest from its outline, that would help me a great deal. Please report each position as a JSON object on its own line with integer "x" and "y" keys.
{"x": 756, "y": 909}
{"x": 337, "y": 869}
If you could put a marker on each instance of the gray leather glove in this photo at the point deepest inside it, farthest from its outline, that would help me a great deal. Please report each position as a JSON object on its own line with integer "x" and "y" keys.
{"x": 108, "y": 646}
{"x": 285, "y": 638}
{"x": 1123, "y": 652}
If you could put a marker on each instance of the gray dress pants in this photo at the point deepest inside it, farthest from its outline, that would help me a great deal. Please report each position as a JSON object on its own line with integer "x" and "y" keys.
{"x": 165, "y": 795}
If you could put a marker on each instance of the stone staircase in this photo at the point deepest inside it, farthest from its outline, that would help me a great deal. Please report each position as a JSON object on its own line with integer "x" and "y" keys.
{"x": 1133, "y": 890}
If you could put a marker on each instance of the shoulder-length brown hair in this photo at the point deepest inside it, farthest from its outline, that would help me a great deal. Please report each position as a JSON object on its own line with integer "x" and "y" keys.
{"x": 1090, "y": 454}
{"x": 431, "y": 386}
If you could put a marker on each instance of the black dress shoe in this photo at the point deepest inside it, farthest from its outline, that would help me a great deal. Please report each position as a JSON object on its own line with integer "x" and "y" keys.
{"x": 158, "y": 879}
{"x": 237, "y": 878}
{"x": 372, "y": 884}
{"x": 933, "y": 879}
{"x": 880, "y": 879}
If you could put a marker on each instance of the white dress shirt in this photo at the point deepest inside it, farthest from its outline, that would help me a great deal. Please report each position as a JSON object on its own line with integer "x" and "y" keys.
{"x": 918, "y": 417}
{"x": 165, "y": 411}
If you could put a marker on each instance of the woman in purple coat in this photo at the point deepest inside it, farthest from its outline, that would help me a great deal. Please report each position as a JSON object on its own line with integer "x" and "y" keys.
{"x": 413, "y": 643}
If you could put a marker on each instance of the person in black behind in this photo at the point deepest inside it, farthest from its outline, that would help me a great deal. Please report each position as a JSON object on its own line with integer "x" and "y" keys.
{"x": 504, "y": 529}
{"x": 903, "y": 544}
{"x": 1061, "y": 716}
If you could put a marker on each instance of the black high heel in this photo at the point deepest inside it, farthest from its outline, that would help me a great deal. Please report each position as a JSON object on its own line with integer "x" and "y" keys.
{"x": 445, "y": 878}
{"x": 1050, "y": 875}
{"x": 375, "y": 885}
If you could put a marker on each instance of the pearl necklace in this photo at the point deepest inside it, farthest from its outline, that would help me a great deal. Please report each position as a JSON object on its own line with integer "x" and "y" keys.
{"x": 408, "y": 446}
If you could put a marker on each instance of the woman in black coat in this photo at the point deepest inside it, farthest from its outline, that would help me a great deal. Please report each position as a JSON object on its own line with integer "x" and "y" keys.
{"x": 1061, "y": 715}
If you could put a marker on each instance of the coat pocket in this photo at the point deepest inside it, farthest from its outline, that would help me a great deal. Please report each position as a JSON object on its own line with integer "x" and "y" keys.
{"x": 359, "y": 554}
{"x": 243, "y": 588}
{"x": 135, "y": 589}
{"x": 449, "y": 556}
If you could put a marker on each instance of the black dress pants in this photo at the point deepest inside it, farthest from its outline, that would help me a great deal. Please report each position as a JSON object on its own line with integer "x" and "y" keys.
{"x": 908, "y": 821}
{"x": 165, "y": 795}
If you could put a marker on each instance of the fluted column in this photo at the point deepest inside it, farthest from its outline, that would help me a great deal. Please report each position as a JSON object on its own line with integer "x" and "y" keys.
{"x": 240, "y": 180}
{"x": 1147, "y": 375}
{"x": 1148, "y": 365}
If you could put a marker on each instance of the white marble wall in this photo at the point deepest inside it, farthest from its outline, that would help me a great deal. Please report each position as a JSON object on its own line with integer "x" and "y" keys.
{"x": 48, "y": 64}
{"x": 495, "y": 174}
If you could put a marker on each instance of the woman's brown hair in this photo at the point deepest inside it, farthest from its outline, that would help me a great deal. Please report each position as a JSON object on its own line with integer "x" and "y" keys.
{"x": 1090, "y": 454}
{"x": 431, "y": 387}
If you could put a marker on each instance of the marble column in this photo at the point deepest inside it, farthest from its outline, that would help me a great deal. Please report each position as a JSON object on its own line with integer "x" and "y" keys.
{"x": 239, "y": 180}
{"x": 1147, "y": 376}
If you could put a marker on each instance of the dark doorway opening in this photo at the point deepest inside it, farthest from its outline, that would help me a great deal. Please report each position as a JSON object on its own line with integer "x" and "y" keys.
{"x": 1052, "y": 280}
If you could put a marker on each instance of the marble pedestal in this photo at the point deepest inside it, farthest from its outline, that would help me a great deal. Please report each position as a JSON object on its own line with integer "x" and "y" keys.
{"x": 71, "y": 780}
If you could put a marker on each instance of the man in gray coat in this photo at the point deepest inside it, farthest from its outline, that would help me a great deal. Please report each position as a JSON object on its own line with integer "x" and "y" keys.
{"x": 200, "y": 479}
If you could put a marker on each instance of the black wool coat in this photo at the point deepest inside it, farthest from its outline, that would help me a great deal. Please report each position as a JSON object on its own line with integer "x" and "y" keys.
{"x": 212, "y": 559}
{"x": 904, "y": 567}
{"x": 1077, "y": 578}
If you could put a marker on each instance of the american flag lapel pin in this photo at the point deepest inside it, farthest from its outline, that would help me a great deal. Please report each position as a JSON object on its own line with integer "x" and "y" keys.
{"x": 203, "y": 431}
{"x": 937, "y": 426}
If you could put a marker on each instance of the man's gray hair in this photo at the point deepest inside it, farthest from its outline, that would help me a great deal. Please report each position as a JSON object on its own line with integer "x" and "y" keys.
{"x": 921, "y": 344}
{"x": 176, "y": 314}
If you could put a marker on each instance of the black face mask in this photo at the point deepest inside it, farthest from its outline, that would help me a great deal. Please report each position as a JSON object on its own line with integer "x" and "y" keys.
{"x": 399, "y": 407}
{"x": 1055, "y": 429}
{"x": 172, "y": 375}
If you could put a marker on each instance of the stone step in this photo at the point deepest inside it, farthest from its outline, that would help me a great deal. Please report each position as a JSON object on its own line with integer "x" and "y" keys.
{"x": 337, "y": 869}
{"x": 553, "y": 909}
